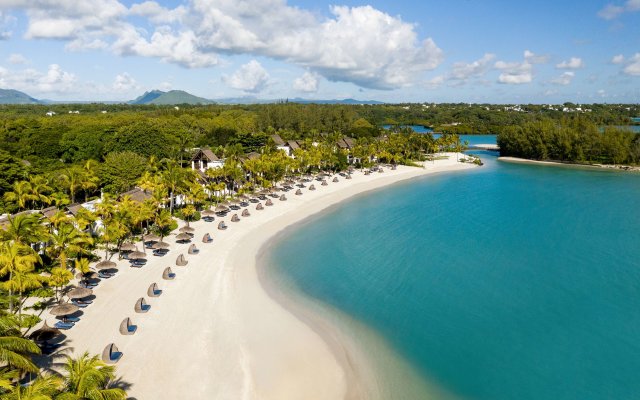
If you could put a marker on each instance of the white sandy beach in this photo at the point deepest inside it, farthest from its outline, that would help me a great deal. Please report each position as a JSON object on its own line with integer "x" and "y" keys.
{"x": 215, "y": 332}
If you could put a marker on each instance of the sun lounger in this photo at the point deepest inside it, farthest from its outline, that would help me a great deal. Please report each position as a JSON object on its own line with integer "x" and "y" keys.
{"x": 141, "y": 306}
{"x": 63, "y": 325}
{"x": 79, "y": 304}
{"x": 111, "y": 354}
{"x": 127, "y": 327}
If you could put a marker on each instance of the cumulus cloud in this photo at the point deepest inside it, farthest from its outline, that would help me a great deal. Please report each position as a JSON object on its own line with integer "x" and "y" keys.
{"x": 462, "y": 71}
{"x": 362, "y": 45}
{"x": 619, "y": 59}
{"x": 17, "y": 58}
{"x": 515, "y": 73}
{"x": 124, "y": 83}
{"x": 307, "y": 83}
{"x": 55, "y": 80}
{"x": 250, "y": 77}
{"x": 633, "y": 66}
{"x": 564, "y": 79}
{"x": 612, "y": 11}
{"x": 533, "y": 58}
{"x": 572, "y": 63}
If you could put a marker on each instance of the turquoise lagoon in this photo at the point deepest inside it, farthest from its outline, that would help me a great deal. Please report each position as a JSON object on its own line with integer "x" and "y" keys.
{"x": 510, "y": 281}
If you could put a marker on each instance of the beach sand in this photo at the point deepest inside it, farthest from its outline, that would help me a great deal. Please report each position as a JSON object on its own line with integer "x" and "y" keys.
{"x": 601, "y": 167}
{"x": 216, "y": 332}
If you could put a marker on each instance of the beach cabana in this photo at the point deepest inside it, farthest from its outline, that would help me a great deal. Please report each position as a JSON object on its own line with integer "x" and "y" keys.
{"x": 104, "y": 264}
{"x": 44, "y": 333}
{"x": 335, "y": 179}
{"x": 235, "y": 218}
{"x": 153, "y": 290}
{"x": 111, "y": 354}
{"x": 268, "y": 202}
{"x": 207, "y": 238}
{"x": 208, "y": 213}
{"x": 259, "y": 207}
{"x": 183, "y": 237}
{"x": 137, "y": 255}
{"x": 245, "y": 213}
{"x": 312, "y": 187}
{"x": 348, "y": 176}
{"x": 222, "y": 226}
{"x": 167, "y": 274}
{"x": 181, "y": 261}
{"x": 141, "y": 306}
{"x": 298, "y": 192}
{"x": 380, "y": 170}
{"x": 324, "y": 183}
{"x": 160, "y": 245}
{"x": 283, "y": 198}
{"x": 152, "y": 237}
{"x": 127, "y": 328}
{"x": 394, "y": 167}
{"x": 64, "y": 309}
{"x": 79, "y": 293}
{"x": 187, "y": 229}
{"x": 128, "y": 247}
{"x": 193, "y": 249}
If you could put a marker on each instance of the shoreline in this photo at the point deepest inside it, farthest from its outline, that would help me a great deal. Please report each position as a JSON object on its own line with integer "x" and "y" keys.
{"x": 223, "y": 323}
{"x": 599, "y": 167}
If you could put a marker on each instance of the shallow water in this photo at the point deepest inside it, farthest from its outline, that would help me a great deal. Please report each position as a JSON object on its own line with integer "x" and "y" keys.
{"x": 507, "y": 282}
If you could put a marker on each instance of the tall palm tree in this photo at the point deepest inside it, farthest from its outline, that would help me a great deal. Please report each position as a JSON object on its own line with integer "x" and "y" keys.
{"x": 16, "y": 351}
{"x": 172, "y": 177}
{"x": 22, "y": 280}
{"x": 87, "y": 377}
{"x": 20, "y": 194}
{"x": 14, "y": 258}
{"x": 24, "y": 229}
{"x": 141, "y": 213}
{"x": 42, "y": 388}
{"x": 67, "y": 240}
{"x": 59, "y": 278}
{"x": 72, "y": 179}
{"x": 40, "y": 189}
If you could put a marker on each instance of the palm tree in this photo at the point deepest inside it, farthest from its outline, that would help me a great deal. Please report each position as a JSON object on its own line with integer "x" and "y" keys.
{"x": 87, "y": 377}
{"x": 68, "y": 240}
{"x": 16, "y": 351}
{"x": 189, "y": 213}
{"x": 40, "y": 189}
{"x": 14, "y": 258}
{"x": 172, "y": 177}
{"x": 22, "y": 280}
{"x": 72, "y": 179}
{"x": 21, "y": 194}
{"x": 60, "y": 277}
{"x": 163, "y": 223}
{"x": 141, "y": 213}
{"x": 24, "y": 229}
{"x": 42, "y": 388}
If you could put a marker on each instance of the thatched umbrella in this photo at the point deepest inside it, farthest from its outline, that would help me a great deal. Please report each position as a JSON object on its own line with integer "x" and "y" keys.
{"x": 105, "y": 264}
{"x": 160, "y": 245}
{"x": 298, "y": 192}
{"x": 183, "y": 237}
{"x": 221, "y": 208}
{"x": 187, "y": 229}
{"x": 44, "y": 333}
{"x": 335, "y": 179}
{"x": 137, "y": 255}
{"x": 87, "y": 276}
{"x": 63, "y": 309}
{"x": 152, "y": 237}
{"x": 79, "y": 293}
{"x": 208, "y": 213}
{"x": 128, "y": 247}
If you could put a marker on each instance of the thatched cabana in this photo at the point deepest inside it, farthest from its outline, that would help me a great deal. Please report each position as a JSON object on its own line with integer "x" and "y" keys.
{"x": 207, "y": 238}
{"x": 127, "y": 328}
{"x": 44, "y": 333}
{"x": 259, "y": 207}
{"x": 168, "y": 274}
{"x": 193, "y": 249}
{"x": 137, "y": 255}
{"x": 187, "y": 229}
{"x": 141, "y": 306}
{"x": 222, "y": 226}
{"x": 268, "y": 202}
{"x": 283, "y": 198}
{"x": 324, "y": 183}
{"x": 235, "y": 218}
{"x": 380, "y": 170}
{"x": 104, "y": 264}
{"x": 111, "y": 354}
{"x": 181, "y": 261}
{"x": 160, "y": 245}
{"x": 335, "y": 179}
{"x": 245, "y": 213}
{"x": 63, "y": 309}
{"x": 152, "y": 237}
{"x": 153, "y": 290}
{"x": 128, "y": 247}
{"x": 183, "y": 237}
{"x": 79, "y": 293}
{"x": 312, "y": 187}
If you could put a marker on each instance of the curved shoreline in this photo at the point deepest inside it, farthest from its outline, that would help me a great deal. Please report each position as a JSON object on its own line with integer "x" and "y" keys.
{"x": 593, "y": 167}
{"x": 221, "y": 330}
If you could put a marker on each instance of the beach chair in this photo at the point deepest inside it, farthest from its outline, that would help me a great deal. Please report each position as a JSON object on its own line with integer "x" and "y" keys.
{"x": 127, "y": 327}
{"x": 104, "y": 275}
{"x": 245, "y": 213}
{"x": 63, "y": 325}
{"x": 111, "y": 354}
{"x": 298, "y": 192}
{"x": 235, "y": 218}
{"x": 141, "y": 306}
{"x": 167, "y": 274}
{"x": 207, "y": 238}
{"x": 222, "y": 226}
{"x": 181, "y": 261}
{"x": 193, "y": 249}
{"x": 153, "y": 290}
{"x": 259, "y": 207}
{"x": 78, "y": 303}
{"x": 283, "y": 198}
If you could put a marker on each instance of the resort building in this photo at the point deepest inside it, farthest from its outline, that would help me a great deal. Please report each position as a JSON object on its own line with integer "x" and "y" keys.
{"x": 204, "y": 159}
{"x": 288, "y": 147}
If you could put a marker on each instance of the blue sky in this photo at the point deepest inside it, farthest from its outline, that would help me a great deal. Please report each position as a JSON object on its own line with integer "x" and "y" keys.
{"x": 394, "y": 51}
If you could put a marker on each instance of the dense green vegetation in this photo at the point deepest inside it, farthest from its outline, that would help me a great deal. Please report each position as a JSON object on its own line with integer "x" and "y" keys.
{"x": 570, "y": 140}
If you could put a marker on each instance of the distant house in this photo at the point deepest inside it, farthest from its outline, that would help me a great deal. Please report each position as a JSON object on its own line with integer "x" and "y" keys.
{"x": 204, "y": 159}
{"x": 137, "y": 195}
{"x": 288, "y": 147}
{"x": 74, "y": 112}
{"x": 50, "y": 113}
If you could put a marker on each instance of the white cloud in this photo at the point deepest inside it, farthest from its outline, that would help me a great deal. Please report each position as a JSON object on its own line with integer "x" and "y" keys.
{"x": 572, "y": 63}
{"x": 17, "y": 58}
{"x": 307, "y": 83}
{"x": 250, "y": 77}
{"x": 611, "y": 11}
{"x": 633, "y": 66}
{"x": 619, "y": 59}
{"x": 6, "y": 21}
{"x": 54, "y": 80}
{"x": 361, "y": 45}
{"x": 564, "y": 79}
{"x": 463, "y": 71}
{"x": 532, "y": 58}
{"x": 124, "y": 83}
{"x": 165, "y": 86}
{"x": 516, "y": 73}
{"x": 435, "y": 82}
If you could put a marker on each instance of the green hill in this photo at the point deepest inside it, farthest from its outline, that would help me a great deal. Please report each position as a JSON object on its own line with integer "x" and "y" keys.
{"x": 10, "y": 96}
{"x": 168, "y": 98}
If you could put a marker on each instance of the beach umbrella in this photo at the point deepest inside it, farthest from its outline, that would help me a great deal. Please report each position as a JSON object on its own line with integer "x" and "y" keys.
{"x": 104, "y": 264}
{"x": 137, "y": 255}
{"x": 44, "y": 333}
{"x": 243, "y": 197}
{"x": 221, "y": 208}
{"x": 79, "y": 293}
{"x": 160, "y": 245}
{"x": 128, "y": 247}
{"x": 63, "y": 309}
{"x": 208, "y": 213}
{"x": 187, "y": 229}
{"x": 152, "y": 237}
{"x": 87, "y": 276}
{"x": 183, "y": 236}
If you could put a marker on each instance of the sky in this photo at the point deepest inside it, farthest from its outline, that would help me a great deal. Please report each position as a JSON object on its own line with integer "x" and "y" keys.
{"x": 490, "y": 51}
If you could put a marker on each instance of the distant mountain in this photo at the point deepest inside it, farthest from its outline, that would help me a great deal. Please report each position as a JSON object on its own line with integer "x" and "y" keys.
{"x": 10, "y": 96}
{"x": 171, "y": 97}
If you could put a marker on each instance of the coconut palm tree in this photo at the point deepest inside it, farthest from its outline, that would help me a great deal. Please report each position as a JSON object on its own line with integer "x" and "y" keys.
{"x": 163, "y": 223}
{"x": 20, "y": 194}
{"x": 67, "y": 240}
{"x": 72, "y": 179}
{"x": 14, "y": 258}
{"x": 41, "y": 388}
{"x": 60, "y": 277}
{"x": 172, "y": 177}
{"x": 24, "y": 229}
{"x": 16, "y": 351}
{"x": 87, "y": 377}
{"x": 23, "y": 279}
